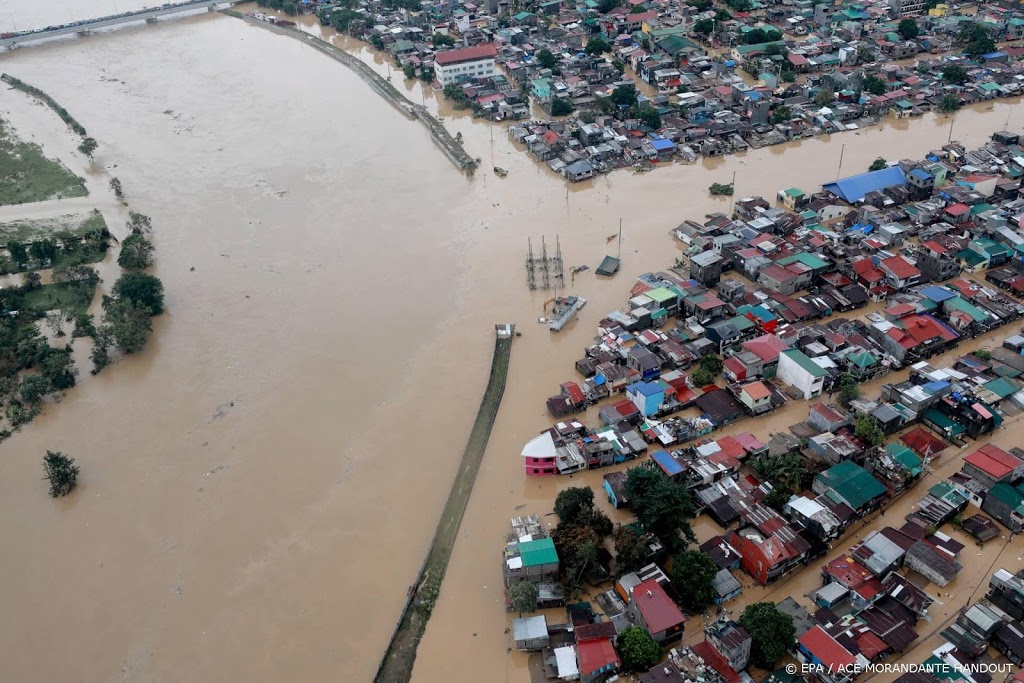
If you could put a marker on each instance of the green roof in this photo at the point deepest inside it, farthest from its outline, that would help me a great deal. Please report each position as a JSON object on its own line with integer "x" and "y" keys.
{"x": 742, "y": 322}
{"x": 862, "y": 359}
{"x": 794, "y": 192}
{"x": 944, "y": 422}
{"x": 958, "y": 304}
{"x": 1008, "y": 495}
{"x": 990, "y": 86}
{"x": 808, "y": 259}
{"x": 798, "y": 357}
{"x": 536, "y": 553}
{"x": 972, "y": 258}
{"x": 905, "y": 457}
{"x": 523, "y": 15}
{"x": 978, "y": 209}
{"x": 661, "y": 295}
{"x": 1001, "y": 387}
{"x": 674, "y": 43}
{"x": 757, "y": 47}
{"x": 851, "y": 483}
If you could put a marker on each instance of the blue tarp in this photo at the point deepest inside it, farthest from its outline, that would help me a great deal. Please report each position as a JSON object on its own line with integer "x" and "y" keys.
{"x": 853, "y": 189}
{"x": 923, "y": 175}
{"x": 667, "y": 463}
{"x": 662, "y": 145}
{"x": 935, "y": 387}
{"x": 937, "y": 294}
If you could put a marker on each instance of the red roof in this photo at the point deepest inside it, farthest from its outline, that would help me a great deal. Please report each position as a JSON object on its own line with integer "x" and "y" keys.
{"x": 733, "y": 364}
{"x": 866, "y": 271}
{"x": 958, "y": 209}
{"x": 767, "y": 347}
{"x": 900, "y": 267}
{"x": 994, "y": 461}
{"x": 797, "y": 60}
{"x": 716, "y": 661}
{"x": 871, "y": 645}
{"x": 595, "y": 655}
{"x": 924, "y": 442}
{"x": 935, "y": 247}
{"x": 756, "y": 391}
{"x": 658, "y": 610}
{"x": 847, "y": 571}
{"x": 826, "y": 650}
{"x": 573, "y": 391}
{"x": 469, "y": 54}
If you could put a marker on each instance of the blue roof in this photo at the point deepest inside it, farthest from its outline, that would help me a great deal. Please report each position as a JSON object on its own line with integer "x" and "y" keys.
{"x": 754, "y": 95}
{"x": 646, "y": 388}
{"x": 922, "y": 174}
{"x": 935, "y": 387}
{"x": 667, "y": 463}
{"x": 936, "y": 293}
{"x": 854, "y": 188}
{"x": 662, "y": 144}
{"x": 993, "y": 55}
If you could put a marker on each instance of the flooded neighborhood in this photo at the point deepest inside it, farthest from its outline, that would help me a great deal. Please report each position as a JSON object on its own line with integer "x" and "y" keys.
{"x": 260, "y": 485}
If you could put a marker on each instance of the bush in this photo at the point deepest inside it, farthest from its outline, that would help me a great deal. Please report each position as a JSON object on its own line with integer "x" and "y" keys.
{"x": 61, "y": 472}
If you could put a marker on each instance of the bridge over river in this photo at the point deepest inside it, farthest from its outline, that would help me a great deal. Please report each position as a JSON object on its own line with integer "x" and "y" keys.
{"x": 83, "y": 27}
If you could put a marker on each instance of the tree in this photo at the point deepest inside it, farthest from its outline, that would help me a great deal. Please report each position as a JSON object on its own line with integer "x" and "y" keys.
{"x": 651, "y": 118}
{"x": 787, "y": 75}
{"x": 576, "y": 545}
{"x": 561, "y": 106}
{"x": 848, "y": 389}
{"x": 704, "y": 26}
{"x": 128, "y": 326}
{"x": 624, "y": 95}
{"x": 983, "y": 354}
{"x": 597, "y": 46}
{"x": 722, "y": 15}
{"x": 908, "y": 29}
{"x": 523, "y": 596}
{"x": 949, "y": 103}
{"x": 775, "y": 48}
{"x": 782, "y": 114}
{"x": 700, "y": 5}
{"x": 782, "y": 469}
{"x": 440, "y": 39}
{"x": 824, "y": 97}
{"x": 136, "y": 252}
{"x": 865, "y": 54}
{"x": 84, "y": 326}
{"x": 115, "y": 187}
{"x": 408, "y": 70}
{"x": 572, "y": 502}
{"x": 977, "y": 39}
{"x": 662, "y": 506}
{"x": 693, "y": 575}
{"x": 638, "y": 649}
{"x": 878, "y": 164}
{"x": 874, "y": 85}
{"x": 88, "y": 147}
{"x": 631, "y": 550}
{"x": 377, "y": 40}
{"x": 546, "y": 59}
{"x": 33, "y": 388}
{"x": 739, "y": 5}
{"x": 712, "y": 364}
{"x": 954, "y": 74}
{"x": 61, "y": 472}
{"x": 18, "y": 252}
{"x": 755, "y": 37}
{"x": 702, "y": 377}
{"x": 32, "y": 282}
{"x": 100, "y": 354}
{"x": 606, "y": 6}
{"x": 777, "y": 498}
{"x": 59, "y": 368}
{"x": 866, "y": 427}
{"x": 771, "y": 633}
{"x": 142, "y": 289}
{"x": 588, "y": 116}
{"x": 455, "y": 93}
{"x": 289, "y": 8}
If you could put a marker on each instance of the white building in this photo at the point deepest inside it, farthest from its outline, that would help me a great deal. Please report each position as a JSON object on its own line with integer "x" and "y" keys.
{"x": 453, "y": 66}
{"x": 796, "y": 369}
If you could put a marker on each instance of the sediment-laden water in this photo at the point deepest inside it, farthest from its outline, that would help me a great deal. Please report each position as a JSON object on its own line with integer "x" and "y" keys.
{"x": 258, "y": 488}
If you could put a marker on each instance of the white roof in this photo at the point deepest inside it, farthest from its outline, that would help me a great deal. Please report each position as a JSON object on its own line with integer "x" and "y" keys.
{"x": 805, "y": 506}
{"x": 514, "y": 562}
{"x": 566, "y": 659}
{"x": 528, "y": 628}
{"x": 542, "y": 446}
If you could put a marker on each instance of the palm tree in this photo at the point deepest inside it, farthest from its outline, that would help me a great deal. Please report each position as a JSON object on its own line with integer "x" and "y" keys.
{"x": 787, "y": 469}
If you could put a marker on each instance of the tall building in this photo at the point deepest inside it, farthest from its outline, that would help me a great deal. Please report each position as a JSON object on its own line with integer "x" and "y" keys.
{"x": 452, "y": 66}
{"x": 902, "y": 9}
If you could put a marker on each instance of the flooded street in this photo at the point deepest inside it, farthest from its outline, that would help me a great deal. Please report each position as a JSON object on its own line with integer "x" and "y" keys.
{"x": 259, "y": 486}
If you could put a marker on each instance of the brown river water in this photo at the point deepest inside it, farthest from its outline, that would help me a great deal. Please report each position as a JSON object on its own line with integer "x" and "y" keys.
{"x": 260, "y": 485}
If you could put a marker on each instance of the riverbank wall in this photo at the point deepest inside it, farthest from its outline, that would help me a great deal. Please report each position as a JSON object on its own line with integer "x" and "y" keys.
{"x": 451, "y": 147}
{"x": 397, "y": 664}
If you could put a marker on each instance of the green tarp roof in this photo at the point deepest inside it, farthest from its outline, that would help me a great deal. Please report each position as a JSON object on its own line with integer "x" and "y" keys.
{"x": 798, "y": 357}
{"x": 536, "y": 553}
{"x": 1001, "y": 387}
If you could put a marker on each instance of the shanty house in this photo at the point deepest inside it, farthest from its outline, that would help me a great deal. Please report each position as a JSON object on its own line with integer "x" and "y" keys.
{"x": 652, "y": 608}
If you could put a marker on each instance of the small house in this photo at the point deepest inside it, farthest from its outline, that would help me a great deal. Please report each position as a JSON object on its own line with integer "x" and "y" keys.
{"x": 652, "y": 608}
{"x": 799, "y": 371}
{"x": 530, "y": 633}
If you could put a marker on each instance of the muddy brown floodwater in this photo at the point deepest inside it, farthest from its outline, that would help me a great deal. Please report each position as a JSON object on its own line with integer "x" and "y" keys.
{"x": 259, "y": 486}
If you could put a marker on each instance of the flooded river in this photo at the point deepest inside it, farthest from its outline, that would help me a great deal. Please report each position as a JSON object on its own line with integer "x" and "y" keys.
{"x": 259, "y": 487}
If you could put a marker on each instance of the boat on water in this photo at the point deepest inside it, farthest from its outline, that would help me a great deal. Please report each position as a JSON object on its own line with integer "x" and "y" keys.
{"x": 566, "y": 308}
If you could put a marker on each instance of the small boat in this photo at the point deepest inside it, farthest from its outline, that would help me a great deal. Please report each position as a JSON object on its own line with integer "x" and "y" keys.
{"x": 566, "y": 308}
{"x": 500, "y": 172}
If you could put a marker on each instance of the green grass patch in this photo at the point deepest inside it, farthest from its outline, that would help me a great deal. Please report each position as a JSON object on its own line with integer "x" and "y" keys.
{"x": 26, "y": 175}
{"x": 30, "y": 230}
{"x": 74, "y": 297}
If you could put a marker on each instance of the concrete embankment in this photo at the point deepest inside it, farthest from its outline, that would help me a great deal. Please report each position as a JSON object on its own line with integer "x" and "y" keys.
{"x": 440, "y": 135}
{"x": 397, "y": 663}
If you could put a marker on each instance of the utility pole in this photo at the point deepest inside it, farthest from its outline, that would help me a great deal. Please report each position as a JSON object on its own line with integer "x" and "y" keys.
{"x": 732, "y": 203}
{"x": 842, "y": 150}
{"x": 952, "y": 120}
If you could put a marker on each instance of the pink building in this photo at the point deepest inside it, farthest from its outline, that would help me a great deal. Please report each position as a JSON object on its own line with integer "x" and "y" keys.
{"x": 539, "y": 455}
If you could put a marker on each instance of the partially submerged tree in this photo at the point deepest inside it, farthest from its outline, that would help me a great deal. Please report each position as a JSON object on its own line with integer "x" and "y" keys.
{"x": 523, "y": 596}
{"x": 949, "y": 103}
{"x": 954, "y": 74}
{"x": 144, "y": 290}
{"x": 136, "y": 252}
{"x": 663, "y": 507}
{"x": 639, "y": 650}
{"x": 61, "y": 472}
{"x": 866, "y": 427}
{"x": 693, "y": 575}
{"x": 570, "y": 503}
{"x": 771, "y": 632}
{"x": 848, "y": 389}
{"x": 878, "y": 164}
{"x": 88, "y": 147}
